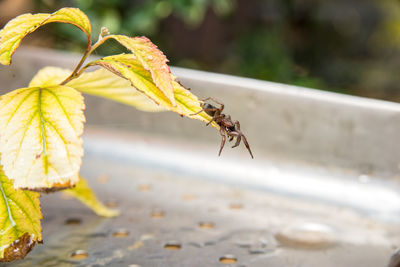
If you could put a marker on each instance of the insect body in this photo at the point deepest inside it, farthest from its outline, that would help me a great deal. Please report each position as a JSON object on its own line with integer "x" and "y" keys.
{"x": 227, "y": 126}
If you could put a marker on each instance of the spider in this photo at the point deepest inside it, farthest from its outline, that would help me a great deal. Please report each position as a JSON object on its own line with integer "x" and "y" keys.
{"x": 227, "y": 126}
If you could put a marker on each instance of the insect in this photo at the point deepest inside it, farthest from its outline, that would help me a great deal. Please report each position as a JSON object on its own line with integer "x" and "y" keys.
{"x": 227, "y": 126}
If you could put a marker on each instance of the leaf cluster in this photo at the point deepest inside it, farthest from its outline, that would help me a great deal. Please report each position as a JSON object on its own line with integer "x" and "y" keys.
{"x": 41, "y": 125}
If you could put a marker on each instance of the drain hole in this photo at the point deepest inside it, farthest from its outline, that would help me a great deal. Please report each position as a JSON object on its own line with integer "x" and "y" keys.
{"x": 111, "y": 203}
{"x": 79, "y": 254}
{"x": 144, "y": 188}
{"x": 228, "y": 259}
{"x": 157, "y": 214}
{"x": 73, "y": 221}
{"x": 173, "y": 245}
{"x": 206, "y": 225}
{"x": 236, "y": 206}
{"x": 121, "y": 233}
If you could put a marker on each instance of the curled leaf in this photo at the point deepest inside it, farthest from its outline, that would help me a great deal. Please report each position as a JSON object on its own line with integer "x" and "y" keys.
{"x": 152, "y": 59}
{"x": 188, "y": 104}
{"x": 40, "y": 142}
{"x": 84, "y": 194}
{"x": 20, "y": 220}
{"x": 16, "y": 29}
{"x": 130, "y": 68}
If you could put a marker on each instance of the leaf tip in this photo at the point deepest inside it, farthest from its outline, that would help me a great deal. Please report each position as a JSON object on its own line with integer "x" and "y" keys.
{"x": 108, "y": 213}
{"x": 5, "y": 62}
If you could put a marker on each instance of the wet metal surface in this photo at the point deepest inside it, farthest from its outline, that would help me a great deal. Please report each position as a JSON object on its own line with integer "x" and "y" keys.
{"x": 322, "y": 191}
{"x": 190, "y": 221}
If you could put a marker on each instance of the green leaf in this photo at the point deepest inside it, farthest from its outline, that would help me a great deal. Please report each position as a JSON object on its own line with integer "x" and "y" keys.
{"x": 16, "y": 29}
{"x": 84, "y": 194}
{"x": 130, "y": 68}
{"x": 152, "y": 59}
{"x": 19, "y": 220}
{"x": 40, "y": 129}
{"x": 99, "y": 83}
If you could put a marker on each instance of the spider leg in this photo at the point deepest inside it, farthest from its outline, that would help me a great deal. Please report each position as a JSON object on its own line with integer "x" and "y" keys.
{"x": 205, "y": 109}
{"x": 216, "y": 101}
{"x": 212, "y": 119}
{"x": 237, "y": 125}
{"x": 222, "y": 132}
{"x": 238, "y": 136}
{"x": 247, "y": 146}
{"x": 238, "y": 139}
{"x": 215, "y": 118}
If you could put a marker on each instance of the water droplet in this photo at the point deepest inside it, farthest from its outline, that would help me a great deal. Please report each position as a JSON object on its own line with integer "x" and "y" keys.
{"x": 73, "y": 221}
{"x": 257, "y": 251}
{"x": 79, "y": 254}
{"x": 236, "y": 206}
{"x": 97, "y": 235}
{"x": 244, "y": 243}
{"x": 144, "y": 188}
{"x": 206, "y": 225}
{"x": 173, "y": 245}
{"x": 210, "y": 243}
{"x": 157, "y": 214}
{"x": 228, "y": 259}
{"x": 307, "y": 235}
{"x": 121, "y": 233}
{"x": 197, "y": 245}
{"x": 146, "y": 237}
{"x": 111, "y": 203}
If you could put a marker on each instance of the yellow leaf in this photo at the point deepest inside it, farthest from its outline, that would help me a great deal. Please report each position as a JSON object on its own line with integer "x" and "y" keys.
{"x": 129, "y": 67}
{"x": 84, "y": 194}
{"x": 16, "y": 29}
{"x": 188, "y": 104}
{"x": 19, "y": 220}
{"x": 49, "y": 76}
{"x": 40, "y": 129}
{"x": 99, "y": 83}
{"x": 152, "y": 59}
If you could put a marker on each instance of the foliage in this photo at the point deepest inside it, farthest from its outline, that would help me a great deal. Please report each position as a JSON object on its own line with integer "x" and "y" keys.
{"x": 346, "y": 46}
{"x": 120, "y": 15}
{"x": 20, "y": 220}
{"x": 83, "y": 193}
{"x": 41, "y": 125}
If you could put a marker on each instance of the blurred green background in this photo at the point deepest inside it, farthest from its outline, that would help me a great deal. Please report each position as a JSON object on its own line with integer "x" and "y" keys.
{"x": 346, "y": 46}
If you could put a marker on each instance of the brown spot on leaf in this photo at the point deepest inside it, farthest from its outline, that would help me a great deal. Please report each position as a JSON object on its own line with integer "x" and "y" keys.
{"x": 56, "y": 187}
{"x": 19, "y": 248}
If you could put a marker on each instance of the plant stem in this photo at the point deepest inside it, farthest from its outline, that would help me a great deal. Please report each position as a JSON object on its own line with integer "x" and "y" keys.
{"x": 85, "y": 55}
{"x": 89, "y": 49}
